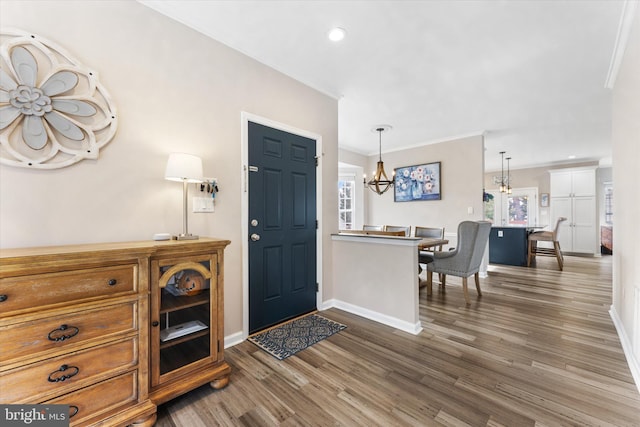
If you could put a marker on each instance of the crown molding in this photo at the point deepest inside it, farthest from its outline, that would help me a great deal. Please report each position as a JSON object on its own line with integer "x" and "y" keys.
{"x": 624, "y": 29}
{"x": 408, "y": 147}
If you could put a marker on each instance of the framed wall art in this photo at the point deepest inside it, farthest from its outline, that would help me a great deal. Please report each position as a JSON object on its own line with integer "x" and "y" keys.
{"x": 418, "y": 182}
{"x": 544, "y": 200}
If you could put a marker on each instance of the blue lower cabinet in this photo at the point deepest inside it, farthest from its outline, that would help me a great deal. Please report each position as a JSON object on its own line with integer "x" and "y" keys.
{"x": 508, "y": 245}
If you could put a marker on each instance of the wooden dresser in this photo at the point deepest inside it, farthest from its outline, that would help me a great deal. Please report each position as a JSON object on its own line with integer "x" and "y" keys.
{"x": 75, "y": 328}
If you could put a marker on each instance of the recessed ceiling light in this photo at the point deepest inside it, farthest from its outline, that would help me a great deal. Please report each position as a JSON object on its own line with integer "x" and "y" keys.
{"x": 572, "y": 156}
{"x": 337, "y": 34}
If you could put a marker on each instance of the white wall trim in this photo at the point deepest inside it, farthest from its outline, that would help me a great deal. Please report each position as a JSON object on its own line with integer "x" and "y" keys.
{"x": 624, "y": 29}
{"x": 418, "y": 145}
{"x": 393, "y": 322}
{"x": 245, "y": 118}
{"x": 234, "y": 339}
{"x": 627, "y": 347}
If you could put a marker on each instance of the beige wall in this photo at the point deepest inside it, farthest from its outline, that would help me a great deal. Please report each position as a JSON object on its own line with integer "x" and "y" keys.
{"x": 174, "y": 90}
{"x": 626, "y": 203}
{"x": 462, "y": 168}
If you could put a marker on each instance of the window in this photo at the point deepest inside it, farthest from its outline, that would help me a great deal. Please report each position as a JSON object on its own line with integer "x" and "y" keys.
{"x": 518, "y": 208}
{"x": 346, "y": 203}
{"x": 608, "y": 204}
{"x": 489, "y": 208}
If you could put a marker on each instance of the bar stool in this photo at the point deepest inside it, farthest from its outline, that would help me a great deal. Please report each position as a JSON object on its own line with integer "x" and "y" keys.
{"x": 546, "y": 236}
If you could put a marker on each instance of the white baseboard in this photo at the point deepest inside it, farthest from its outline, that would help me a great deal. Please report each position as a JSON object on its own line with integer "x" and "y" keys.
{"x": 411, "y": 328}
{"x": 627, "y": 347}
{"x": 238, "y": 337}
{"x": 234, "y": 339}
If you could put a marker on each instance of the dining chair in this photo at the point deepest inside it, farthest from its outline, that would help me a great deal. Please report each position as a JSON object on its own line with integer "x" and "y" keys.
{"x": 405, "y": 229}
{"x": 425, "y": 257}
{"x": 433, "y": 232}
{"x": 465, "y": 259}
{"x": 545, "y": 236}
{"x": 373, "y": 227}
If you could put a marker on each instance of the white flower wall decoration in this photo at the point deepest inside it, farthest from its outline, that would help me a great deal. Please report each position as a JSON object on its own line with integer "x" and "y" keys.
{"x": 53, "y": 110}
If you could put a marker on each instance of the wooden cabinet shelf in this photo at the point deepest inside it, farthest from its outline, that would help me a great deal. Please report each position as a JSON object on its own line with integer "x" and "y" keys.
{"x": 189, "y": 351}
{"x": 173, "y": 303}
{"x": 180, "y": 340}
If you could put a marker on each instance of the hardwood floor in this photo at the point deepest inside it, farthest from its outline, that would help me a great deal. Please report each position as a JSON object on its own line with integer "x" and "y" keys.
{"x": 537, "y": 349}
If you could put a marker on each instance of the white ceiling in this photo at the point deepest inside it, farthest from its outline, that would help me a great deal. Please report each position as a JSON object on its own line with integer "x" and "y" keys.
{"x": 528, "y": 73}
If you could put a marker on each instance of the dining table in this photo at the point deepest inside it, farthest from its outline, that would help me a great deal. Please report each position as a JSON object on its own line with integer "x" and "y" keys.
{"x": 429, "y": 243}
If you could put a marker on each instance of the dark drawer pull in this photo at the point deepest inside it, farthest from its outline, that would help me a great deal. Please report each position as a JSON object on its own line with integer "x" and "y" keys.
{"x": 56, "y": 376}
{"x": 3, "y": 298}
{"x": 112, "y": 282}
{"x": 60, "y": 334}
{"x": 73, "y": 410}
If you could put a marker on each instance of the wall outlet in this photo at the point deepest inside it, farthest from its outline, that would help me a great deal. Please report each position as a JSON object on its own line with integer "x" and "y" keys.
{"x": 203, "y": 204}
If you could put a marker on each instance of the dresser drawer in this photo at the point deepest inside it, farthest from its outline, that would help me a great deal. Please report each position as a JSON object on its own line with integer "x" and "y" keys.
{"x": 34, "y": 292}
{"x": 100, "y": 398}
{"x": 63, "y": 333}
{"x": 55, "y": 376}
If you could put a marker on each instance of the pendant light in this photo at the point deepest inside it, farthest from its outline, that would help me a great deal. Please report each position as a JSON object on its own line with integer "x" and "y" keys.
{"x": 503, "y": 187}
{"x": 508, "y": 181}
{"x": 380, "y": 183}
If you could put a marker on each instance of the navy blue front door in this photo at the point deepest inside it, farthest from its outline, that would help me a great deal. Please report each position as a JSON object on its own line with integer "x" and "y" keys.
{"x": 282, "y": 226}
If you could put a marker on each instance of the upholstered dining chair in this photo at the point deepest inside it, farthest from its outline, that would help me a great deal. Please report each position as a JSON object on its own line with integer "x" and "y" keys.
{"x": 373, "y": 227}
{"x": 545, "y": 236}
{"x": 406, "y": 229}
{"x": 465, "y": 259}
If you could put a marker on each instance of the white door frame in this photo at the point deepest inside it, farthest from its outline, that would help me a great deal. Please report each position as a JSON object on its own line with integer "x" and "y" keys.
{"x": 245, "y": 118}
{"x": 501, "y": 207}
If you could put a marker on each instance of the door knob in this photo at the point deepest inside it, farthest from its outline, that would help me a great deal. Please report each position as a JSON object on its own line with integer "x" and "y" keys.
{"x": 255, "y": 237}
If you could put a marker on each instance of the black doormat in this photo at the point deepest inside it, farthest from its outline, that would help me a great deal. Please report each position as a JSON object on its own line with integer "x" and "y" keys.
{"x": 289, "y": 338}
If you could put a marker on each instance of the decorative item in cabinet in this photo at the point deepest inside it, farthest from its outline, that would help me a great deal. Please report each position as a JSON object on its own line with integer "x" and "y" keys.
{"x": 187, "y": 330}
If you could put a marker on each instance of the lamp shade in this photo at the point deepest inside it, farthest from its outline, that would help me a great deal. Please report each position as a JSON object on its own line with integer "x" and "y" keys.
{"x": 183, "y": 167}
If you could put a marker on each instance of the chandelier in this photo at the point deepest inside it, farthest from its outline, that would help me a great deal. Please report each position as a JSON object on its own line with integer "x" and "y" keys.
{"x": 380, "y": 182}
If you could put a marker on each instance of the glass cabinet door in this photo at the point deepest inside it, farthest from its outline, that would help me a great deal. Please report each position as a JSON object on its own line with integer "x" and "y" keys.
{"x": 183, "y": 329}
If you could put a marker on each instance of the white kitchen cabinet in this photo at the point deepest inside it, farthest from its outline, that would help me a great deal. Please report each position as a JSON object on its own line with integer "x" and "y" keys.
{"x": 573, "y": 195}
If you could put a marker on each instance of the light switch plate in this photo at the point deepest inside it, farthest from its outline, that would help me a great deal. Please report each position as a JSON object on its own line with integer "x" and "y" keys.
{"x": 203, "y": 204}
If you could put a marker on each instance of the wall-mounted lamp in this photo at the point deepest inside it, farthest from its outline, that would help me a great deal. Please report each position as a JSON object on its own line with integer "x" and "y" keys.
{"x": 185, "y": 168}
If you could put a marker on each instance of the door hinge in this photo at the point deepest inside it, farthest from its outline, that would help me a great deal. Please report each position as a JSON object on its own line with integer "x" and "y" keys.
{"x": 317, "y": 287}
{"x": 217, "y": 268}
{"x": 316, "y": 224}
{"x": 316, "y": 158}
{"x": 218, "y": 346}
